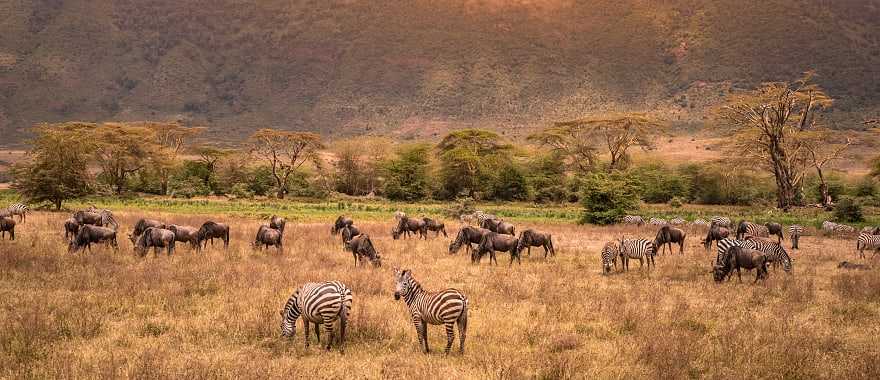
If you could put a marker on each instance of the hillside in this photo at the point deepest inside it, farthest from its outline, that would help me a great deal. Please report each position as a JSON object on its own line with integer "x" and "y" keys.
{"x": 417, "y": 68}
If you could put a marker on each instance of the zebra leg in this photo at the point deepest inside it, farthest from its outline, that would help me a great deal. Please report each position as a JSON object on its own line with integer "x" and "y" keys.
{"x": 328, "y": 327}
{"x": 318, "y": 332}
{"x": 306, "y": 331}
{"x": 450, "y": 335}
{"x": 425, "y": 336}
{"x": 417, "y": 322}
{"x": 462, "y": 327}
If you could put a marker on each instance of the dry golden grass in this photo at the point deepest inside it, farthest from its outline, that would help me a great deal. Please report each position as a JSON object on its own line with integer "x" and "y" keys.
{"x": 215, "y": 315}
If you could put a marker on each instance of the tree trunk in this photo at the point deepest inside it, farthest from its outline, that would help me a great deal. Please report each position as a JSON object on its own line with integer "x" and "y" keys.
{"x": 785, "y": 187}
{"x": 57, "y": 204}
{"x": 823, "y": 188}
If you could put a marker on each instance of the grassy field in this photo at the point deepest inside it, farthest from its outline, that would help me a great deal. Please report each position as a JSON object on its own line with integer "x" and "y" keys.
{"x": 215, "y": 315}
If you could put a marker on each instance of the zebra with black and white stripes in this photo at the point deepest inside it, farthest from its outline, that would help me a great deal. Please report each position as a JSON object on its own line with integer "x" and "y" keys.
{"x": 320, "y": 303}
{"x": 482, "y": 217}
{"x": 633, "y": 219}
{"x": 830, "y": 227}
{"x": 700, "y": 222}
{"x": 869, "y": 242}
{"x": 609, "y": 256}
{"x": 677, "y": 221}
{"x": 657, "y": 222}
{"x": 720, "y": 221}
{"x": 638, "y": 249}
{"x": 795, "y": 231}
{"x": 752, "y": 229}
{"x": 446, "y": 307}
{"x": 14, "y": 209}
{"x": 774, "y": 252}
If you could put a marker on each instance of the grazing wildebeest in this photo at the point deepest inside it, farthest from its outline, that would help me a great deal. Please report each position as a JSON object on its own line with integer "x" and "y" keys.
{"x": 96, "y": 217}
{"x": 267, "y": 236}
{"x": 775, "y": 229}
{"x": 362, "y": 247}
{"x": 71, "y": 227}
{"x": 349, "y": 232}
{"x": 741, "y": 257}
{"x": 278, "y": 223}
{"x": 89, "y": 234}
{"x": 7, "y": 225}
{"x": 493, "y": 242}
{"x": 186, "y": 234}
{"x": 211, "y": 230}
{"x": 340, "y": 223}
{"x": 716, "y": 234}
{"x": 466, "y": 236}
{"x": 437, "y": 227}
{"x": 156, "y": 238}
{"x": 142, "y": 226}
{"x": 499, "y": 226}
{"x": 668, "y": 235}
{"x": 531, "y": 238}
{"x": 849, "y": 265}
{"x": 407, "y": 225}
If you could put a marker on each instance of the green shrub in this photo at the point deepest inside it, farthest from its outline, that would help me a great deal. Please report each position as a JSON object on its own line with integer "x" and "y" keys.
{"x": 241, "y": 191}
{"x": 187, "y": 187}
{"x": 510, "y": 184}
{"x": 865, "y": 188}
{"x": 836, "y": 187}
{"x": 658, "y": 183}
{"x": 849, "y": 210}
{"x": 606, "y": 198}
{"x": 675, "y": 202}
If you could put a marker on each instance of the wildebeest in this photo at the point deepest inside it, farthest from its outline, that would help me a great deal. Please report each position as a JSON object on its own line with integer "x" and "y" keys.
{"x": 7, "y": 225}
{"x": 267, "y": 236}
{"x": 740, "y": 257}
{"x": 96, "y": 217}
{"x": 278, "y": 223}
{"x": 716, "y": 234}
{"x": 775, "y": 229}
{"x": 340, "y": 223}
{"x": 186, "y": 234}
{"x": 849, "y": 265}
{"x": 493, "y": 242}
{"x": 71, "y": 227}
{"x": 437, "y": 227}
{"x": 362, "y": 247}
{"x": 157, "y": 238}
{"x": 499, "y": 226}
{"x": 211, "y": 230}
{"x": 407, "y": 225}
{"x": 466, "y": 236}
{"x": 532, "y": 238}
{"x": 89, "y": 234}
{"x": 349, "y": 232}
{"x": 142, "y": 226}
{"x": 668, "y": 235}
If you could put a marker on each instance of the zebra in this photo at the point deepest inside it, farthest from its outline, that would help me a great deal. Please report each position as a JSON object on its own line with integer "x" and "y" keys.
{"x": 774, "y": 252}
{"x": 609, "y": 256}
{"x": 633, "y": 219}
{"x": 830, "y": 227}
{"x": 700, "y": 222}
{"x": 640, "y": 249}
{"x": 19, "y": 209}
{"x": 482, "y": 217}
{"x": 677, "y": 222}
{"x": 748, "y": 228}
{"x": 318, "y": 303}
{"x": 868, "y": 241}
{"x": 720, "y": 221}
{"x": 446, "y": 307}
{"x": 657, "y": 222}
{"x": 795, "y": 231}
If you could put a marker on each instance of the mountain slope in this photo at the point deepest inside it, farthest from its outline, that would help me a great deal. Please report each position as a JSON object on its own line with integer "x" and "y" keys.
{"x": 415, "y": 68}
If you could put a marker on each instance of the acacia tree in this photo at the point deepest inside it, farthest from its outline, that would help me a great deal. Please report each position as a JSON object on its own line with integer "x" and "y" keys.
{"x": 574, "y": 142}
{"x": 820, "y": 151}
{"x": 768, "y": 127}
{"x": 286, "y": 152}
{"x": 211, "y": 156}
{"x": 467, "y": 159}
{"x": 58, "y": 167}
{"x": 616, "y": 133}
{"x": 172, "y": 138}
{"x": 122, "y": 149}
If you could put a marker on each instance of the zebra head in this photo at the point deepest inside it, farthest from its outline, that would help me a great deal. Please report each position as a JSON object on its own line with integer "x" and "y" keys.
{"x": 289, "y": 315}
{"x": 402, "y": 283}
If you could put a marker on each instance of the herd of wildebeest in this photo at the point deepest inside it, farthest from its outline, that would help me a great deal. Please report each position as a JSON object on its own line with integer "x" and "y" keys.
{"x": 743, "y": 245}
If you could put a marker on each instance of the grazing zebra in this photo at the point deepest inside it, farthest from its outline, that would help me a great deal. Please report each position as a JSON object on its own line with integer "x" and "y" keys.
{"x": 700, "y": 222}
{"x": 19, "y": 209}
{"x": 639, "y": 249}
{"x": 748, "y": 228}
{"x": 633, "y": 219}
{"x": 657, "y": 222}
{"x": 868, "y": 241}
{"x": 774, "y": 252}
{"x": 720, "y": 221}
{"x": 446, "y": 307}
{"x": 830, "y": 227}
{"x": 318, "y": 303}
{"x": 677, "y": 222}
{"x": 795, "y": 232}
{"x": 871, "y": 230}
{"x": 609, "y": 256}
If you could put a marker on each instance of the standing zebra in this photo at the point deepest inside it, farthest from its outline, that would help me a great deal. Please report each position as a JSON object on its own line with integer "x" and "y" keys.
{"x": 640, "y": 249}
{"x": 318, "y": 303}
{"x": 19, "y": 209}
{"x": 445, "y": 307}
{"x": 868, "y": 241}
{"x": 677, "y": 222}
{"x": 720, "y": 221}
{"x": 700, "y": 222}
{"x": 633, "y": 219}
{"x": 657, "y": 222}
{"x": 795, "y": 231}
{"x": 482, "y": 217}
{"x": 774, "y": 252}
{"x": 748, "y": 228}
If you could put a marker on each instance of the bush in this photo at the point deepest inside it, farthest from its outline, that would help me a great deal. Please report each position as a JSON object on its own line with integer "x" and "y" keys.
{"x": 848, "y": 210}
{"x": 406, "y": 176}
{"x": 187, "y": 187}
{"x": 717, "y": 185}
{"x": 510, "y": 184}
{"x": 260, "y": 180}
{"x": 865, "y": 188}
{"x": 607, "y": 198}
{"x": 241, "y": 191}
{"x": 675, "y": 202}
{"x": 462, "y": 206}
{"x": 836, "y": 188}
{"x": 659, "y": 184}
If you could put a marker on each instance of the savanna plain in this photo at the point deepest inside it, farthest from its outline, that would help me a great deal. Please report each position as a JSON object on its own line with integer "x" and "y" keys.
{"x": 215, "y": 314}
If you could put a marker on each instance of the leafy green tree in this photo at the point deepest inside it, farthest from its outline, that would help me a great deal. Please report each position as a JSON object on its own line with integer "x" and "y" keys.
{"x": 658, "y": 183}
{"x": 848, "y": 210}
{"x": 510, "y": 184}
{"x": 406, "y": 176}
{"x": 285, "y": 152}
{"x": 58, "y": 169}
{"x": 468, "y": 160}
{"x": 606, "y": 198}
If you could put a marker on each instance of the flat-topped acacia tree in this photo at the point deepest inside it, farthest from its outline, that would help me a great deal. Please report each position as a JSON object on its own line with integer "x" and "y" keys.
{"x": 285, "y": 152}
{"x": 581, "y": 139}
